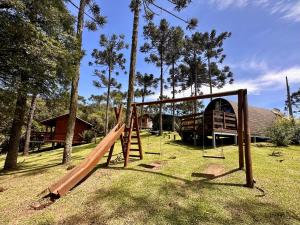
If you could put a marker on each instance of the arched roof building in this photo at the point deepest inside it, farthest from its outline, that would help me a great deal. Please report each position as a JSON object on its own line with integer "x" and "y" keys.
{"x": 221, "y": 117}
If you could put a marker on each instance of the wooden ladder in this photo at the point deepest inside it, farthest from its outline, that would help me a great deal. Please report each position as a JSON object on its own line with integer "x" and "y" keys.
{"x": 131, "y": 138}
{"x": 118, "y": 114}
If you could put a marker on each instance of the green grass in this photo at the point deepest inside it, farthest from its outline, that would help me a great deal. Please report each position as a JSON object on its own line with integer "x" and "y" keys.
{"x": 174, "y": 194}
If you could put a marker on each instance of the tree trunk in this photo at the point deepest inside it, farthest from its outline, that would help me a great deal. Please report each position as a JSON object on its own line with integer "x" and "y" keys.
{"x": 132, "y": 61}
{"x": 195, "y": 103}
{"x": 161, "y": 95}
{"x": 74, "y": 90}
{"x": 107, "y": 102}
{"x": 16, "y": 129}
{"x": 209, "y": 76}
{"x": 173, "y": 105}
{"x": 29, "y": 124}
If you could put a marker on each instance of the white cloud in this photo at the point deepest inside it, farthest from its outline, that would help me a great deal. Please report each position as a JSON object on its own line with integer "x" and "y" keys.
{"x": 293, "y": 13}
{"x": 251, "y": 64}
{"x": 286, "y": 9}
{"x": 223, "y": 4}
{"x": 272, "y": 80}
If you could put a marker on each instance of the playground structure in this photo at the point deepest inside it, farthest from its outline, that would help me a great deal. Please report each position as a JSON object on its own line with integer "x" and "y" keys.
{"x": 127, "y": 136}
{"x": 130, "y": 137}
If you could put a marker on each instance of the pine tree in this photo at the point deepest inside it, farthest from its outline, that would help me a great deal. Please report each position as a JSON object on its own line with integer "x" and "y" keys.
{"x": 214, "y": 54}
{"x": 295, "y": 99}
{"x": 147, "y": 83}
{"x": 29, "y": 124}
{"x": 96, "y": 21}
{"x": 158, "y": 39}
{"x": 135, "y": 7}
{"x": 34, "y": 41}
{"x": 174, "y": 53}
{"x": 110, "y": 57}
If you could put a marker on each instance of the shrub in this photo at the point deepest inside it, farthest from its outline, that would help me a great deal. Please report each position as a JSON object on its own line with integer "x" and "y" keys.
{"x": 296, "y": 138}
{"x": 88, "y": 135}
{"x": 281, "y": 132}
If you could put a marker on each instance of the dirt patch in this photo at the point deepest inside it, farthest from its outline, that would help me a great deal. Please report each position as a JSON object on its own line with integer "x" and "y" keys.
{"x": 71, "y": 167}
{"x": 214, "y": 170}
{"x": 2, "y": 189}
{"x": 41, "y": 204}
{"x": 156, "y": 165}
{"x": 276, "y": 154}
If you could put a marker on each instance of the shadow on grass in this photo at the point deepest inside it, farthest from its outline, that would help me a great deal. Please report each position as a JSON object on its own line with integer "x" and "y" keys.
{"x": 29, "y": 170}
{"x": 175, "y": 203}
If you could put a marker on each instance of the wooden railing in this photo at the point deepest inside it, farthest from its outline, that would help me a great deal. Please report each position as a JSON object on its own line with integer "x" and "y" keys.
{"x": 191, "y": 122}
{"x": 41, "y": 136}
{"x": 212, "y": 120}
{"x": 220, "y": 120}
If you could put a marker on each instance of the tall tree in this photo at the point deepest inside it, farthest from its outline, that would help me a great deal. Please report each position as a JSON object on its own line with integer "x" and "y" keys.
{"x": 135, "y": 7}
{"x": 110, "y": 57}
{"x": 29, "y": 124}
{"x": 214, "y": 53}
{"x": 295, "y": 99}
{"x": 97, "y": 20}
{"x": 147, "y": 83}
{"x": 174, "y": 53}
{"x": 34, "y": 39}
{"x": 157, "y": 45}
{"x": 193, "y": 69}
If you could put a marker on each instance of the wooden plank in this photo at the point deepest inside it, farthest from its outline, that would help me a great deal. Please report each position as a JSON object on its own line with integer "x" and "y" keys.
{"x": 191, "y": 115}
{"x": 193, "y": 98}
{"x": 68, "y": 181}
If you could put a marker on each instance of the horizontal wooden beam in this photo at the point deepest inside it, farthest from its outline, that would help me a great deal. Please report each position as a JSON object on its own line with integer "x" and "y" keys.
{"x": 192, "y": 98}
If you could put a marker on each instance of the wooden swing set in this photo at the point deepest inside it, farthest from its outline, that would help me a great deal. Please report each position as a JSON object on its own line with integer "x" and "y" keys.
{"x": 131, "y": 142}
{"x": 242, "y": 129}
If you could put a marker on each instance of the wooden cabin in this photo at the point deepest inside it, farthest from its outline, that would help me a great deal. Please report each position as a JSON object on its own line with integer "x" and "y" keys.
{"x": 220, "y": 118}
{"x": 145, "y": 121}
{"x": 56, "y": 129}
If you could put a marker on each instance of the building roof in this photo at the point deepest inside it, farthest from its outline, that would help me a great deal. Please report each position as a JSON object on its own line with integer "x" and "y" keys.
{"x": 259, "y": 118}
{"x": 51, "y": 121}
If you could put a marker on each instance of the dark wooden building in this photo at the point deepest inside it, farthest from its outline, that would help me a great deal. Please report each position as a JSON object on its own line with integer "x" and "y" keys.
{"x": 56, "y": 129}
{"x": 145, "y": 122}
{"x": 220, "y": 118}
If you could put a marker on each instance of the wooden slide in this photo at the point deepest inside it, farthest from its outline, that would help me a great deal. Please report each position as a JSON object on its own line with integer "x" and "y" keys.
{"x": 68, "y": 181}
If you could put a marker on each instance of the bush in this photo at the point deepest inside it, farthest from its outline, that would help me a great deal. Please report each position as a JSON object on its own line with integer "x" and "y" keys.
{"x": 296, "y": 138}
{"x": 88, "y": 135}
{"x": 281, "y": 132}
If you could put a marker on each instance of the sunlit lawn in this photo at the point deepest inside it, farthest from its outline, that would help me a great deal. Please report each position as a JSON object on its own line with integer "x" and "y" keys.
{"x": 177, "y": 193}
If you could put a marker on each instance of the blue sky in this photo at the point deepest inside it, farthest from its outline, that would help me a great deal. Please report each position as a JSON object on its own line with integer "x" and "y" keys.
{"x": 263, "y": 49}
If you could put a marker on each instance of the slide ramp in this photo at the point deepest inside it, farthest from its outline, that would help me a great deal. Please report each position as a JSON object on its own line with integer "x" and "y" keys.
{"x": 77, "y": 174}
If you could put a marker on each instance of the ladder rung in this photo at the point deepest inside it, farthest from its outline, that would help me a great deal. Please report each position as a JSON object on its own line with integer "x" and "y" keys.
{"x": 134, "y": 136}
{"x": 134, "y": 143}
{"x": 135, "y": 149}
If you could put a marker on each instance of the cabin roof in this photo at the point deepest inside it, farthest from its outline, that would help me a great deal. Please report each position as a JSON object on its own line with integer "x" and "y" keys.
{"x": 259, "y": 118}
{"x": 51, "y": 121}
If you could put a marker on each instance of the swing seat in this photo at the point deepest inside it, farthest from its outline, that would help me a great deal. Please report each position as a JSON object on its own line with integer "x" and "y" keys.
{"x": 214, "y": 157}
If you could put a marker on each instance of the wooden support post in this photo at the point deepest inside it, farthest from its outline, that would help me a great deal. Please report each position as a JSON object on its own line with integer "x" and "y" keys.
{"x": 213, "y": 139}
{"x": 240, "y": 129}
{"x": 110, "y": 155}
{"x": 235, "y": 140}
{"x": 118, "y": 114}
{"x": 248, "y": 160}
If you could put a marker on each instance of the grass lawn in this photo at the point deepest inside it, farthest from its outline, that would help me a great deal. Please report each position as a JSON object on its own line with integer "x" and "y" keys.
{"x": 179, "y": 192}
